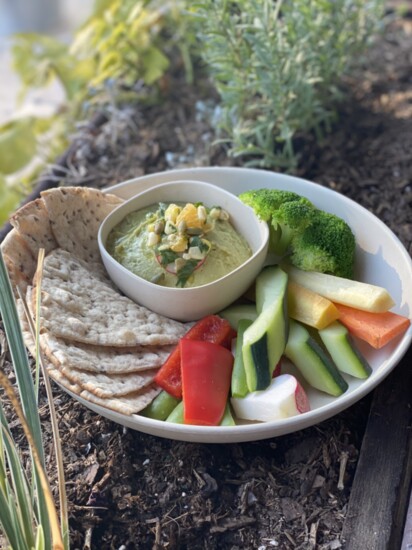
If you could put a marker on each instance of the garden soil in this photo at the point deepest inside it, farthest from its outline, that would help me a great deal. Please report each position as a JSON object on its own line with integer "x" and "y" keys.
{"x": 129, "y": 490}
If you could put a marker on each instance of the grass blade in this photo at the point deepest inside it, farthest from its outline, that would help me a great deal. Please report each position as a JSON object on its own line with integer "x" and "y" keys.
{"x": 25, "y": 384}
{"x": 8, "y": 522}
{"x": 40, "y": 542}
{"x": 57, "y": 543}
{"x": 19, "y": 357}
{"x": 19, "y": 483}
{"x": 35, "y": 329}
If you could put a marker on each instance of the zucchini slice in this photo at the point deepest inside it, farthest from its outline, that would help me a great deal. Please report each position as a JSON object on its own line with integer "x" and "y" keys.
{"x": 265, "y": 340}
{"x": 237, "y": 312}
{"x": 315, "y": 365}
{"x": 239, "y": 385}
{"x": 346, "y": 356}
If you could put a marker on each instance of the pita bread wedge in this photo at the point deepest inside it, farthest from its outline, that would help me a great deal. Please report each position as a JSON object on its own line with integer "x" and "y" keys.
{"x": 32, "y": 223}
{"x": 102, "y": 359}
{"x": 128, "y": 404}
{"x": 78, "y": 306}
{"x": 59, "y": 377}
{"x": 69, "y": 270}
{"x": 125, "y": 404}
{"x": 19, "y": 260}
{"x": 101, "y": 385}
{"x": 30, "y": 344}
{"x": 75, "y": 214}
{"x": 110, "y": 385}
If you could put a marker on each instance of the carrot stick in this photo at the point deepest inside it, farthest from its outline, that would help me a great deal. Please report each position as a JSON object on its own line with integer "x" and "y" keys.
{"x": 377, "y": 329}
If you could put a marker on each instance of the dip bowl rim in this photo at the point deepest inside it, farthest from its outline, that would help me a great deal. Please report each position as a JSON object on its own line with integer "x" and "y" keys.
{"x": 250, "y": 268}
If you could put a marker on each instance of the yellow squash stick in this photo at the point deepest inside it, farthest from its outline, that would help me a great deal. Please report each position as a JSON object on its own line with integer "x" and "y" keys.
{"x": 355, "y": 294}
{"x": 310, "y": 308}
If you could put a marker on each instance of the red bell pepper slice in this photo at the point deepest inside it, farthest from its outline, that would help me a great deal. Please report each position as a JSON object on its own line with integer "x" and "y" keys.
{"x": 211, "y": 328}
{"x": 206, "y": 376}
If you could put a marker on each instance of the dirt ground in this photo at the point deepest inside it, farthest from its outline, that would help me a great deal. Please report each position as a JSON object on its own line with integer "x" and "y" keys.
{"x": 130, "y": 490}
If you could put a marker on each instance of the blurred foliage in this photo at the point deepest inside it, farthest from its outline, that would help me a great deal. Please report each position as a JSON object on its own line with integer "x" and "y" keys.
{"x": 17, "y": 136}
{"x": 278, "y": 64}
{"x": 122, "y": 43}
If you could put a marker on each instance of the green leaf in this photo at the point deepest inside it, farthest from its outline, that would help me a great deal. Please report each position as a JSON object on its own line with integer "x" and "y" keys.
{"x": 20, "y": 485}
{"x": 91, "y": 32}
{"x": 33, "y": 57}
{"x": 39, "y": 59}
{"x": 155, "y": 64}
{"x": 167, "y": 256}
{"x": 185, "y": 272}
{"x": 40, "y": 542}
{"x": 200, "y": 243}
{"x": 17, "y": 145}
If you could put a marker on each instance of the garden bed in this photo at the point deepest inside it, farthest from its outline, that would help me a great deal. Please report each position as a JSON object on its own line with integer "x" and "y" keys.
{"x": 131, "y": 490}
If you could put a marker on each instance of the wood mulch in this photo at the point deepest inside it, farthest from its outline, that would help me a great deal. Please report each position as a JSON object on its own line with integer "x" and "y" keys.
{"x": 130, "y": 490}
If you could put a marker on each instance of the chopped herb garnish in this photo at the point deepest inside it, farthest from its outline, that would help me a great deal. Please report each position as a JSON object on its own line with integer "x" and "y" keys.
{"x": 162, "y": 209}
{"x": 185, "y": 272}
{"x": 167, "y": 256}
{"x": 200, "y": 243}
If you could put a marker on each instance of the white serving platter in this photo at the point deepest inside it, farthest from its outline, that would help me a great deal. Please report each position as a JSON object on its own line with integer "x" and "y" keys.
{"x": 381, "y": 259}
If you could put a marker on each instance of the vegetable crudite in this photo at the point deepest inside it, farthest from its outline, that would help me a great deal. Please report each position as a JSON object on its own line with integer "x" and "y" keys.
{"x": 292, "y": 331}
{"x": 288, "y": 333}
{"x": 314, "y": 240}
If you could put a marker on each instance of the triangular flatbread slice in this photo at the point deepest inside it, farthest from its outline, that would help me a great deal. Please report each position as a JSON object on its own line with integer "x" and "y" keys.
{"x": 102, "y": 359}
{"x": 19, "y": 260}
{"x": 75, "y": 215}
{"x": 32, "y": 223}
{"x": 130, "y": 403}
{"x": 77, "y": 305}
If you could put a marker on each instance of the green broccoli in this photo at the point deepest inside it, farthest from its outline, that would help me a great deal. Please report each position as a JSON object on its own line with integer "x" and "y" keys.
{"x": 265, "y": 201}
{"x": 314, "y": 240}
{"x": 286, "y": 211}
{"x": 326, "y": 245}
{"x": 288, "y": 221}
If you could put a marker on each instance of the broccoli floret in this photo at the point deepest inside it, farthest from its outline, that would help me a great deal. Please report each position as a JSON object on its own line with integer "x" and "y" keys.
{"x": 313, "y": 239}
{"x": 288, "y": 221}
{"x": 266, "y": 201}
{"x": 286, "y": 211}
{"x": 326, "y": 245}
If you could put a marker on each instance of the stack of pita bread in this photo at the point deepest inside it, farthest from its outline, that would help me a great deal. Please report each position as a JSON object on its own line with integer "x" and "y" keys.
{"x": 95, "y": 342}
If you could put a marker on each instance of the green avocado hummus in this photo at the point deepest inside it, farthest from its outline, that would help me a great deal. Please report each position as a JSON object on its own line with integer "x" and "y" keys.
{"x": 183, "y": 245}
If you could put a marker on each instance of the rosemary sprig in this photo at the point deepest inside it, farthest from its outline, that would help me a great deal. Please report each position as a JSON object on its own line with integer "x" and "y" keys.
{"x": 278, "y": 65}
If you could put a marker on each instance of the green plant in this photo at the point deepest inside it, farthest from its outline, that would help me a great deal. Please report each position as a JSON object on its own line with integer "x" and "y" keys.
{"x": 277, "y": 65}
{"x": 123, "y": 42}
{"x": 28, "y": 515}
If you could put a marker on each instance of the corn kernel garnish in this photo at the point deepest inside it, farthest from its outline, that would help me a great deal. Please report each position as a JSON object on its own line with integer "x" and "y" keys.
{"x": 177, "y": 236}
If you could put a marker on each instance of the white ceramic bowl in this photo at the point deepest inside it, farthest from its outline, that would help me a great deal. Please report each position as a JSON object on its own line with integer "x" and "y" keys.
{"x": 189, "y": 304}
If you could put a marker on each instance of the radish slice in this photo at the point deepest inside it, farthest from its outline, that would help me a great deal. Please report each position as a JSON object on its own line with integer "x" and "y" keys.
{"x": 283, "y": 398}
{"x": 171, "y": 268}
{"x": 278, "y": 369}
